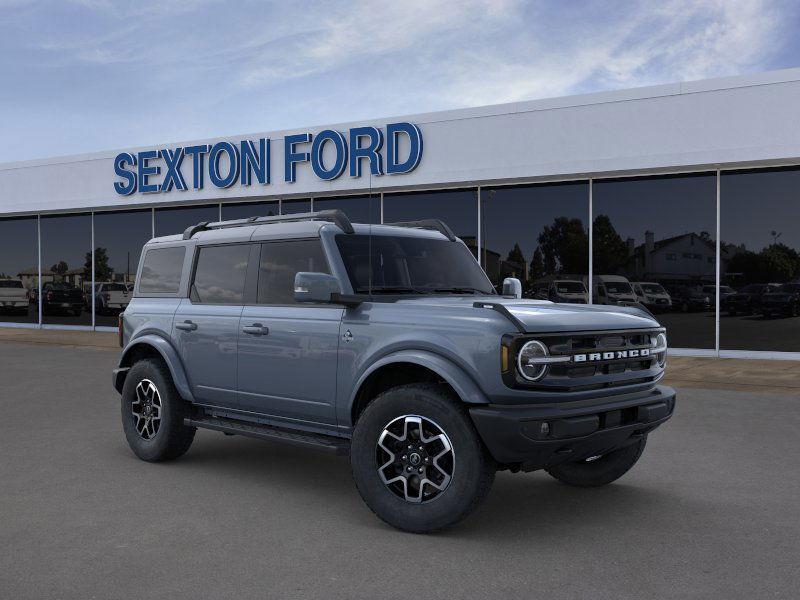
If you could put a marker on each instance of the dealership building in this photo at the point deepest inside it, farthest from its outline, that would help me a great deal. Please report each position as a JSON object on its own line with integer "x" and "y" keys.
{"x": 685, "y": 197}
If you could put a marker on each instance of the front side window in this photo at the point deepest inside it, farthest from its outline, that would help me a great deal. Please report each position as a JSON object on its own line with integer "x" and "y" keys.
{"x": 280, "y": 262}
{"x": 220, "y": 274}
{"x": 400, "y": 265}
{"x": 161, "y": 271}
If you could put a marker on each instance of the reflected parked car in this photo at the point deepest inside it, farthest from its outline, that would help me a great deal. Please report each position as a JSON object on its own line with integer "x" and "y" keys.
{"x": 652, "y": 295}
{"x": 13, "y": 296}
{"x": 691, "y": 299}
{"x": 613, "y": 289}
{"x": 784, "y": 301}
{"x": 724, "y": 292}
{"x": 59, "y": 297}
{"x": 109, "y": 297}
{"x": 747, "y": 301}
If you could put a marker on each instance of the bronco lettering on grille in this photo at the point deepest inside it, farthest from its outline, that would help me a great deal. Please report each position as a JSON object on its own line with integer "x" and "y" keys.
{"x": 616, "y": 355}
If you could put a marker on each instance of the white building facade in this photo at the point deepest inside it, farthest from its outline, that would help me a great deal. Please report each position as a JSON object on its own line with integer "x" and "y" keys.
{"x": 686, "y": 185}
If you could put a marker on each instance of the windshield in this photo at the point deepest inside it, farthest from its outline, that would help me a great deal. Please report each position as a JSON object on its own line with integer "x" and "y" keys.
{"x": 653, "y": 288}
{"x": 618, "y": 287}
{"x": 411, "y": 265}
{"x": 570, "y": 287}
{"x": 10, "y": 283}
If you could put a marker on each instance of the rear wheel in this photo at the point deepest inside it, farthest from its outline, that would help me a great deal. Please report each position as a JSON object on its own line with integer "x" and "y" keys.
{"x": 417, "y": 460}
{"x": 153, "y": 413}
{"x": 599, "y": 470}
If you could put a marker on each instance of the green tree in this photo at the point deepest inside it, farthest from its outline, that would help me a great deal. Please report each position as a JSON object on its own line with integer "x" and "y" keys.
{"x": 102, "y": 270}
{"x": 515, "y": 255}
{"x": 564, "y": 246}
{"x": 610, "y": 250}
{"x": 60, "y": 268}
{"x": 536, "y": 269}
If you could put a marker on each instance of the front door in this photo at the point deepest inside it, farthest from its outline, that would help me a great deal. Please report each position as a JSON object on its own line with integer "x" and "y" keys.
{"x": 206, "y": 325}
{"x": 288, "y": 351}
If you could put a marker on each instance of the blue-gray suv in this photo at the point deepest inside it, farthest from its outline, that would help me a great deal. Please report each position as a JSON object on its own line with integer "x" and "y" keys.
{"x": 386, "y": 343}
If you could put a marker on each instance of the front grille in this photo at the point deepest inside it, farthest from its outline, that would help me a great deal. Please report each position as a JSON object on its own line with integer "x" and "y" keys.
{"x": 599, "y": 373}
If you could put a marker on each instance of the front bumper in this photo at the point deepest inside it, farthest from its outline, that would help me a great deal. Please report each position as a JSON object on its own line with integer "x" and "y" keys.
{"x": 538, "y": 436}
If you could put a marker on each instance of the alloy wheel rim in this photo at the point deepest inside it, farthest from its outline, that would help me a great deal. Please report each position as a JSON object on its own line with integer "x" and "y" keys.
{"x": 415, "y": 458}
{"x": 146, "y": 409}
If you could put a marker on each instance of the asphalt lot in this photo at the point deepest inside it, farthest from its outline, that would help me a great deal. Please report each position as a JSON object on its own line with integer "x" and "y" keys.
{"x": 711, "y": 510}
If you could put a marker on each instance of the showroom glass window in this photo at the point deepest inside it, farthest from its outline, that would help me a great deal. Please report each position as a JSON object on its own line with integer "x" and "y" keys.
{"x": 292, "y": 207}
{"x": 540, "y": 235}
{"x": 457, "y": 208}
{"x": 170, "y": 221}
{"x": 249, "y": 209}
{"x": 66, "y": 269}
{"x": 654, "y": 243}
{"x": 359, "y": 209}
{"x": 118, "y": 240}
{"x": 760, "y": 260}
{"x": 19, "y": 270}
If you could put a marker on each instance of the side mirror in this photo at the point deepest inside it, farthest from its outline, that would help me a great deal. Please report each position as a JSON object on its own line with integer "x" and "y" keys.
{"x": 315, "y": 287}
{"x": 512, "y": 287}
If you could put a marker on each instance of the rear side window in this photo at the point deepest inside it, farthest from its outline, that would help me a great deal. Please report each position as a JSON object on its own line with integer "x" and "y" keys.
{"x": 280, "y": 262}
{"x": 161, "y": 271}
{"x": 220, "y": 274}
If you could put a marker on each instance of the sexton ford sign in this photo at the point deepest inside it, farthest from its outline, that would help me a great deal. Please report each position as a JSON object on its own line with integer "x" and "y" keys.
{"x": 224, "y": 163}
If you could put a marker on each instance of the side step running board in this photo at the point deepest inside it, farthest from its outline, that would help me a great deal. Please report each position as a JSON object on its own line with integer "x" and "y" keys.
{"x": 267, "y": 432}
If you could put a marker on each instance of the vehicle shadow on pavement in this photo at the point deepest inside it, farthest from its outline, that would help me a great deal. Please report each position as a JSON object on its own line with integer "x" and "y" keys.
{"x": 519, "y": 504}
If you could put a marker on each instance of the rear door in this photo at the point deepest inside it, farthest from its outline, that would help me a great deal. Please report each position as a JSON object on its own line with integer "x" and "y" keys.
{"x": 206, "y": 324}
{"x": 288, "y": 351}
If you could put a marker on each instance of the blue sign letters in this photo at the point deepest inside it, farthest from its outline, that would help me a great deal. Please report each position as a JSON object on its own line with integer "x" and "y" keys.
{"x": 226, "y": 163}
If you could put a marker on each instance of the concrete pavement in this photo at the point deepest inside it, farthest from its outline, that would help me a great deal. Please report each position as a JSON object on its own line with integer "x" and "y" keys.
{"x": 710, "y": 511}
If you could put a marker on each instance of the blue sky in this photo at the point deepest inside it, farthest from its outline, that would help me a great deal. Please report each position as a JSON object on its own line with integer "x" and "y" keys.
{"x": 86, "y": 75}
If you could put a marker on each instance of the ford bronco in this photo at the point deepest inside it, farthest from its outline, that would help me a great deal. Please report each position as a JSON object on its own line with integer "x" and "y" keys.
{"x": 386, "y": 343}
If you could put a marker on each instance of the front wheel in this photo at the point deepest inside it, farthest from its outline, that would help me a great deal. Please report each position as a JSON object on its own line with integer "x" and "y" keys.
{"x": 600, "y": 470}
{"x": 417, "y": 460}
{"x": 153, "y": 413}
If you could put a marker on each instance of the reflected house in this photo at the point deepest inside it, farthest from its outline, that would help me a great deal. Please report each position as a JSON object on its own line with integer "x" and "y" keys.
{"x": 682, "y": 259}
{"x": 498, "y": 268}
{"x": 30, "y": 277}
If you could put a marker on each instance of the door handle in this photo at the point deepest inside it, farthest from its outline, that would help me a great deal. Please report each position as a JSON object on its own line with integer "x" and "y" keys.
{"x": 186, "y": 326}
{"x": 255, "y": 329}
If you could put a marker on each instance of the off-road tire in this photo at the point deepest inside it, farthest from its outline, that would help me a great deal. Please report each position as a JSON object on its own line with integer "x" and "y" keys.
{"x": 601, "y": 471}
{"x": 173, "y": 438}
{"x": 473, "y": 468}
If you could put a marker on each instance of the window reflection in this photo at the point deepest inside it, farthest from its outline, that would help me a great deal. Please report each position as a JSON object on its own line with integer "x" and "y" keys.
{"x": 359, "y": 209}
{"x": 119, "y": 238}
{"x": 538, "y": 234}
{"x": 654, "y": 244}
{"x": 19, "y": 270}
{"x": 760, "y": 260}
{"x": 291, "y": 207}
{"x": 249, "y": 209}
{"x": 457, "y": 208}
{"x": 66, "y": 270}
{"x": 170, "y": 221}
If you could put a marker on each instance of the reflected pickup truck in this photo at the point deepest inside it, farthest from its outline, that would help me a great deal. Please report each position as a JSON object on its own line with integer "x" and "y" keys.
{"x": 13, "y": 296}
{"x": 387, "y": 344}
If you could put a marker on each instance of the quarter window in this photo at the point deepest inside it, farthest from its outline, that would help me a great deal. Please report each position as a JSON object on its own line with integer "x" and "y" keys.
{"x": 280, "y": 262}
{"x": 220, "y": 274}
{"x": 161, "y": 271}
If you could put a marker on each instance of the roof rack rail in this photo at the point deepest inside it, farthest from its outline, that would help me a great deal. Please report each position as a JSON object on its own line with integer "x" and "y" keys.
{"x": 435, "y": 224}
{"x": 334, "y": 216}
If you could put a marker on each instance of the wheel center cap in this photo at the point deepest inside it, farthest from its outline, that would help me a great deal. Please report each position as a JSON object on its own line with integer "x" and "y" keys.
{"x": 415, "y": 459}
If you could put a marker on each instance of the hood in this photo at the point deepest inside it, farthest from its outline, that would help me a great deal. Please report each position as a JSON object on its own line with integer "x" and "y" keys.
{"x": 542, "y": 316}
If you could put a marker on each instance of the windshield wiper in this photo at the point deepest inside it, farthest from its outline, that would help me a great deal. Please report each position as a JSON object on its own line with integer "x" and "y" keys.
{"x": 389, "y": 289}
{"x": 460, "y": 290}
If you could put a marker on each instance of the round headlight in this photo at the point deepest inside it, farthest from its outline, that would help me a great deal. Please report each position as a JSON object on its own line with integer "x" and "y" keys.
{"x": 660, "y": 348}
{"x": 527, "y": 364}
